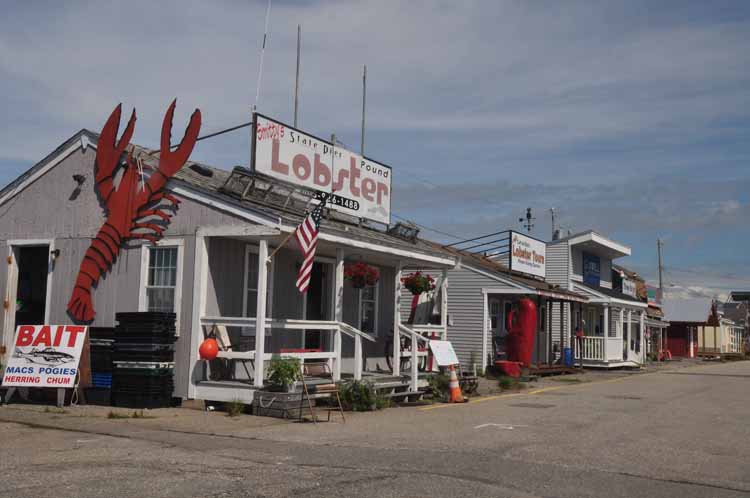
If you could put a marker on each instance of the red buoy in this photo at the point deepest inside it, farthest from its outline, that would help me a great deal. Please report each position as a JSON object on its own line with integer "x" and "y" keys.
{"x": 208, "y": 349}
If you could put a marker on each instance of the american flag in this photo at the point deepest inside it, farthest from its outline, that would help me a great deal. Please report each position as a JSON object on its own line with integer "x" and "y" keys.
{"x": 307, "y": 238}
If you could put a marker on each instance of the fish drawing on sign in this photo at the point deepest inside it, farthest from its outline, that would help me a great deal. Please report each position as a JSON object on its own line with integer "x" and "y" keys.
{"x": 46, "y": 356}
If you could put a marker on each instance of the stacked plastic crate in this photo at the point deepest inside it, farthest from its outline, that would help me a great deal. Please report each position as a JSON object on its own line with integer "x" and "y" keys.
{"x": 144, "y": 360}
{"x": 101, "y": 340}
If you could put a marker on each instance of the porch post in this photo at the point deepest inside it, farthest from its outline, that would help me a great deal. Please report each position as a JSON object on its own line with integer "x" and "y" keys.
{"x": 200, "y": 278}
{"x": 339, "y": 311}
{"x": 642, "y": 338}
{"x": 563, "y": 337}
{"x": 630, "y": 332}
{"x": 396, "y": 370}
{"x": 569, "y": 333}
{"x": 260, "y": 316}
{"x": 606, "y": 332}
{"x": 444, "y": 307}
{"x": 485, "y": 331}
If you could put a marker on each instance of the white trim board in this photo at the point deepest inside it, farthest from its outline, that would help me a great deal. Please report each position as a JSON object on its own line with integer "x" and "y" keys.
{"x": 42, "y": 171}
{"x": 179, "y": 243}
{"x": 216, "y": 203}
{"x": 505, "y": 280}
{"x": 11, "y": 284}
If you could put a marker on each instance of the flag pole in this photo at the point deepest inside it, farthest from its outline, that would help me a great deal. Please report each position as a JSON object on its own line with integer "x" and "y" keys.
{"x": 283, "y": 243}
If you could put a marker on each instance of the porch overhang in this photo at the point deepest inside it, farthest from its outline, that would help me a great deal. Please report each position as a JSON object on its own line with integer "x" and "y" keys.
{"x": 601, "y": 298}
{"x": 408, "y": 257}
{"x": 597, "y": 244}
{"x": 657, "y": 324}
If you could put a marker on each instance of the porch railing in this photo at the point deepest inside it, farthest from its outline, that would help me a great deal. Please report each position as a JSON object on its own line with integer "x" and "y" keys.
{"x": 441, "y": 331}
{"x": 414, "y": 336}
{"x": 337, "y": 328}
{"x": 592, "y": 348}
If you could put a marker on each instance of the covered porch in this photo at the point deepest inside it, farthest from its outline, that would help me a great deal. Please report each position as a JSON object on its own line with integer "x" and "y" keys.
{"x": 613, "y": 330}
{"x": 252, "y": 303}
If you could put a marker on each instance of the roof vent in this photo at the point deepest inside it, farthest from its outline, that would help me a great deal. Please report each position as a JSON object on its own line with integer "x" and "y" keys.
{"x": 201, "y": 170}
{"x": 407, "y": 231}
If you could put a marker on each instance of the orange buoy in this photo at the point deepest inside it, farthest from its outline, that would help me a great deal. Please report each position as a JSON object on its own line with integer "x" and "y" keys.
{"x": 208, "y": 349}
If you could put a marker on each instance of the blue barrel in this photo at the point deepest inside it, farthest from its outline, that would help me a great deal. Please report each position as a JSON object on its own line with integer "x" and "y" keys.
{"x": 568, "y": 357}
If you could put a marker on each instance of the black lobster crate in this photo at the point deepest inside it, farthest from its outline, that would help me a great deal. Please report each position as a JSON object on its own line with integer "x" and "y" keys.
{"x": 147, "y": 352}
{"x": 140, "y": 401}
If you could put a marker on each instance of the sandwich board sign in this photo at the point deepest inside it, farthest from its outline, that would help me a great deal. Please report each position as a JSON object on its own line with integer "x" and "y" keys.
{"x": 443, "y": 353}
{"x": 45, "y": 356}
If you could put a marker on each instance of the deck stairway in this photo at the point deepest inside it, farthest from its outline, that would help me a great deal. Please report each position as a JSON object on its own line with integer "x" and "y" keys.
{"x": 397, "y": 387}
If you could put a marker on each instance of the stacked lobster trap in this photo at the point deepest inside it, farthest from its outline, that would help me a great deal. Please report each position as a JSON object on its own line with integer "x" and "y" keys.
{"x": 144, "y": 360}
{"x": 101, "y": 341}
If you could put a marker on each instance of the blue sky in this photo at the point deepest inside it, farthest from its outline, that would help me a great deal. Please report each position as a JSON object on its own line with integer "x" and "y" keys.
{"x": 632, "y": 117}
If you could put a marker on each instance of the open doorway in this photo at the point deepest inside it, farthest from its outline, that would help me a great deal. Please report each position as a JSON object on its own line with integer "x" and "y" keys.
{"x": 31, "y": 289}
{"x": 317, "y": 302}
{"x": 27, "y": 287}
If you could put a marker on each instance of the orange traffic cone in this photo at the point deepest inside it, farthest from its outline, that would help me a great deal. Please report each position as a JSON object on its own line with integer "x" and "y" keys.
{"x": 455, "y": 388}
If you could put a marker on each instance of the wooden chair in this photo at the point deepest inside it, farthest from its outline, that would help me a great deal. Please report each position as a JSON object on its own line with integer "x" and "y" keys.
{"x": 227, "y": 353}
{"x": 319, "y": 369}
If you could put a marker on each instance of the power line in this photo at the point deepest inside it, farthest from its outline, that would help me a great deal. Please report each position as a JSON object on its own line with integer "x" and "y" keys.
{"x": 427, "y": 228}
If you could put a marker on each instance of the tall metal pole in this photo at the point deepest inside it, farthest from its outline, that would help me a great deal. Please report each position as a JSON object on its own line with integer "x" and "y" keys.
{"x": 296, "y": 80}
{"x": 364, "y": 100}
{"x": 659, "y": 244}
{"x": 552, "y": 210}
{"x": 663, "y": 335}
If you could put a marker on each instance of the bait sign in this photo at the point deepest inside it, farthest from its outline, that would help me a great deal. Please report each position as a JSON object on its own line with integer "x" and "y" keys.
{"x": 45, "y": 356}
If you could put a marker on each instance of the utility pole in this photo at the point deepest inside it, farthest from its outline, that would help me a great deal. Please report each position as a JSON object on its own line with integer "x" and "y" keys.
{"x": 364, "y": 99}
{"x": 663, "y": 344}
{"x": 552, "y": 211}
{"x": 659, "y": 245}
{"x": 296, "y": 80}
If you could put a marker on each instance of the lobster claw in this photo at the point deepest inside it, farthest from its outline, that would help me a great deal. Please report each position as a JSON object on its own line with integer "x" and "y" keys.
{"x": 108, "y": 152}
{"x": 171, "y": 161}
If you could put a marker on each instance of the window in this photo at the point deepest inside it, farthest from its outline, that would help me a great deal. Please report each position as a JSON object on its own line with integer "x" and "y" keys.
{"x": 250, "y": 286}
{"x": 368, "y": 309}
{"x": 251, "y": 283}
{"x": 161, "y": 277}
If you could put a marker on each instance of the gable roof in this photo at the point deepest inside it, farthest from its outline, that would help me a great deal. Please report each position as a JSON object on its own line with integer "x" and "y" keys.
{"x": 205, "y": 183}
{"x": 81, "y": 139}
{"x": 483, "y": 263}
{"x": 693, "y": 310}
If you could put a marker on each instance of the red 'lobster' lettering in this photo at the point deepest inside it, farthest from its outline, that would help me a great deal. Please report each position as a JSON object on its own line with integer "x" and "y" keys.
{"x": 128, "y": 206}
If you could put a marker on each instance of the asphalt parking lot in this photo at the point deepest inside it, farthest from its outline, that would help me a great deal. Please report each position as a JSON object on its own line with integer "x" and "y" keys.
{"x": 676, "y": 432}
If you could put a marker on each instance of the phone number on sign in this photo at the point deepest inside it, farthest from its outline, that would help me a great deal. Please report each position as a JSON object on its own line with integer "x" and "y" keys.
{"x": 342, "y": 201}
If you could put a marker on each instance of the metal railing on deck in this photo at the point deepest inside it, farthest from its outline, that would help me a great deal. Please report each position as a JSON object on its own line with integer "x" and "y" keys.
{"x": 337, "y": 328}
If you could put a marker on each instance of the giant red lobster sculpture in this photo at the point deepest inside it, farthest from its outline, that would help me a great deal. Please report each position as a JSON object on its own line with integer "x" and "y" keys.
{"x": 129, "y": 206}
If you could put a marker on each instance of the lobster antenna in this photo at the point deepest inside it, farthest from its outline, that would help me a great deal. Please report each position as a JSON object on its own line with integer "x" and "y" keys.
{"x": 262, "y": 53}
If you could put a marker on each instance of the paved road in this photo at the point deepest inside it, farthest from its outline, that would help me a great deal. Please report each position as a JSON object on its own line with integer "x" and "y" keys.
{"x": 683, "y": 433}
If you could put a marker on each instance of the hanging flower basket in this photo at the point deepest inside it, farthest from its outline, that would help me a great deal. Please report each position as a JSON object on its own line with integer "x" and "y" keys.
{"x": 361, "y": 275}
{"x": 418, "y": 283}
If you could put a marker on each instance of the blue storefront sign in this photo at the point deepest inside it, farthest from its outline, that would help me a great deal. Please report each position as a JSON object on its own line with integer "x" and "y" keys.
{"x": 592, "y": 269}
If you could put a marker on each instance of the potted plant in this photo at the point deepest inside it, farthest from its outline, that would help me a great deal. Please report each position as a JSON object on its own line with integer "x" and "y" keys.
{"x": 418, "y": 282}
{"x": 361, "y": 275}
{"x": 284, "y": 373}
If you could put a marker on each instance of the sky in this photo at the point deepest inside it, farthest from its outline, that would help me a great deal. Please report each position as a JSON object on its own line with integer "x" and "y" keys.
{"x": 631, "y": 118}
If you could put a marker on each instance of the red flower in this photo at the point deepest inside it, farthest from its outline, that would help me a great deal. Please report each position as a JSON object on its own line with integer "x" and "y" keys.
{"x": 361, "y": 275}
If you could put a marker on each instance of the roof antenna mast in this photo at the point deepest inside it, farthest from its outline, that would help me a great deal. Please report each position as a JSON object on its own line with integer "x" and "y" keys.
{"x": 529, "y": 221}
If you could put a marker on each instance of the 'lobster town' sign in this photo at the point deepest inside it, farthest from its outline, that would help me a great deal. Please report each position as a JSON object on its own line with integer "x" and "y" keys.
{"x": 361, "y": 187}
{"x": 527, "y": 255}
{"x": 45, "y": 356}
{"x": 135, "y": 210}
